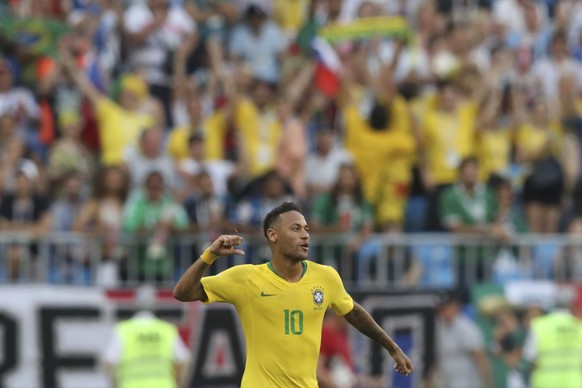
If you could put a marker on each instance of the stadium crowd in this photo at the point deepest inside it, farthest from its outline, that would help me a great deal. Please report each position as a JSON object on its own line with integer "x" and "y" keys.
{"x": 163, "y": 116}
{"x": 159, "y": 117}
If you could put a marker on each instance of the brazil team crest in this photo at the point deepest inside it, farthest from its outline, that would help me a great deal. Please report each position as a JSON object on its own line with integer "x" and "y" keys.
{"x": 317, "y": 293}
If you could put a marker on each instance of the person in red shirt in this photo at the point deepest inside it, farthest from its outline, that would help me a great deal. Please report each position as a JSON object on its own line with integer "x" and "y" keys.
{"x": 336, "y": 368}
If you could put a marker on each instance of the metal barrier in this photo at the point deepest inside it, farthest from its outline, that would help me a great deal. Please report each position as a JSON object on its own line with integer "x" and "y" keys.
{"x": 382, "y": 262}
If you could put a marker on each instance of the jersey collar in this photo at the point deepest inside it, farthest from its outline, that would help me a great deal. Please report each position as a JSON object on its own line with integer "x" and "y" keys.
{"x": 303, "y": 263}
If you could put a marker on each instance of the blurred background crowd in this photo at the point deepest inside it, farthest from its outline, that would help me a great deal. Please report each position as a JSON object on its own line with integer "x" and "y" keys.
{"x": 153, "y": 118}
{"x": 160, "y": 116}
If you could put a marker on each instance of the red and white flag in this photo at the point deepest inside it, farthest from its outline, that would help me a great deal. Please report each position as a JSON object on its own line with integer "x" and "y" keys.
{"x": 328, "y": 67}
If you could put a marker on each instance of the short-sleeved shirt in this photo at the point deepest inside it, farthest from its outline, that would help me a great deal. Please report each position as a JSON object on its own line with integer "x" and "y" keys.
{"x": 282, "y": 321}
{"x": 260, "y": 133}
{"x": 456, "y": 341}
{"x": 259, "y": 50}
{"x": 449, "y": 137}
{"x": 494, "y": 151}
{"x": 139, "y": 212}
{"x": 23, "y": 213}
{"x": 534, "y": 140}
{"x": 152, "y": 55}
{"x": 323, "y": 170}
{"x": 118, "y": 129}
{"x": 383, "y": 156}
{"x": 356, "y": 215}
{"x": 458, "y": 207}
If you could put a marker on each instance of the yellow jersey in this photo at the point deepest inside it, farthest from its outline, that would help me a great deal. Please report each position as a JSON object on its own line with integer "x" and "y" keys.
{"x": 533, "y": 141}
{"x": 118, "y": 128}
{"x": 384, "y": 158}
{"x": 380, "y": 153}
{"x": 494, "y": 151}
{"x": 213, "y": 129}
{"x": 282, "y": 321}
{"x": 290, "y": 15}
{"x": 449, "y": 138}
{"x": 260, "y": 133}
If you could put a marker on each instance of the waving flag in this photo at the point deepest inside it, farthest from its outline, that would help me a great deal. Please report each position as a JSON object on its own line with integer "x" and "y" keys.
{"x": 38, "y": 36}
{"x": 394, "y": 27}
{"x": 328, "y": 67}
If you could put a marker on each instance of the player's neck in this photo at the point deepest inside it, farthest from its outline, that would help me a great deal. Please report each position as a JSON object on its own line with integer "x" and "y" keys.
{"x": 290, "y": 270}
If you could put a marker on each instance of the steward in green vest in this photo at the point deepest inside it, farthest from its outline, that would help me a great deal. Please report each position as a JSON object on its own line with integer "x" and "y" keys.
{"x": 558, "y": 343}
{"x": 146, "y": 352}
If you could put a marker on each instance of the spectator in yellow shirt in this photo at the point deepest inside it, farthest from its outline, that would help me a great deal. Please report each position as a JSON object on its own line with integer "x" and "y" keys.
{"x": 495, "y": 132}
{"x": 448, "y": 132}
{"x": 381, "y": 140}
{"x": 539, "y": 140}
{"x": 259, "y": 129}
{"x": 120, "y": 124}
{"x": 383, "y": 147}
{"x": 290, "y": 15}
{"x": 212, "y": 128}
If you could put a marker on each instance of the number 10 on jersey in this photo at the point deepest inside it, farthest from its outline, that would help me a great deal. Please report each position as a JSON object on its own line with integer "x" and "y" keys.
{"x": 293, "y": 322}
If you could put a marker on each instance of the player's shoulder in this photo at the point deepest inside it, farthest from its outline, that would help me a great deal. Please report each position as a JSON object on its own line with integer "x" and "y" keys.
{"x": 242, "y": 269}
{"x": 321, "y": 269}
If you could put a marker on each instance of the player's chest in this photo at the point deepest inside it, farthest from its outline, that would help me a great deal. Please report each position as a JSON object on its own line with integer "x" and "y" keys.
{"x": 272, "y": 297}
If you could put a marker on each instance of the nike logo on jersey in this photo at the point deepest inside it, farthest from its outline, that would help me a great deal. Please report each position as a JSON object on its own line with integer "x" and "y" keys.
{"x": 263, "y": 293}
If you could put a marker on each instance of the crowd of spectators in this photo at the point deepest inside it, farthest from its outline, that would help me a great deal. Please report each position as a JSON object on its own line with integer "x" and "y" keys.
{"x": 161, "y": 116}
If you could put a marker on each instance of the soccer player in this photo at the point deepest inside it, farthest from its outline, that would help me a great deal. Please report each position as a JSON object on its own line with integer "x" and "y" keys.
{"x": 281, "y": 303}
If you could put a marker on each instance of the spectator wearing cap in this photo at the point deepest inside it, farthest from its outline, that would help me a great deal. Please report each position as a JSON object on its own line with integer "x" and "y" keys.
{"x": 462, "y": 359}
{"x": 120, "y": 124}
{"x": 258, "y": 41}
{"x": 24, "y": 211}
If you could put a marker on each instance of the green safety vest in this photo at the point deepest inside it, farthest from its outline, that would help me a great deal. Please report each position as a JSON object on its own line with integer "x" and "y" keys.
{"x": 147, "y": 359}
{"x": 559, "y": 346}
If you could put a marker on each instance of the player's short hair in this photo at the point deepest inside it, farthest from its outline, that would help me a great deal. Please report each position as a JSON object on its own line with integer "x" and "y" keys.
{"x": 274, "y": 214}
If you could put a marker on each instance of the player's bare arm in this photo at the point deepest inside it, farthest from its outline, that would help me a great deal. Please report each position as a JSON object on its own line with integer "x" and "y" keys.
{"x": 189, "y": 287}
{"x": 363, "y": 321}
